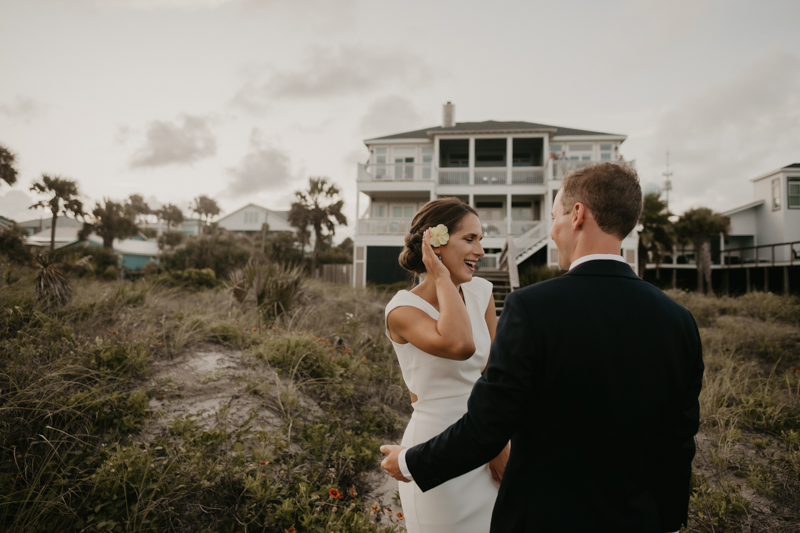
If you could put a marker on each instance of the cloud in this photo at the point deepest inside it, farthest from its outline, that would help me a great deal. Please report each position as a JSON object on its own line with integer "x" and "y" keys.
{"x": 732, "y": 132}
{"x": 184, "y": 142}
{"x": 159, "y": 4}
{"x": 326, "y": 73}
{"x": 263, "y": 168}
{"x": 23, "y": 108}
{"x": 391, "y": 114}
{"x": 14, "y": 205}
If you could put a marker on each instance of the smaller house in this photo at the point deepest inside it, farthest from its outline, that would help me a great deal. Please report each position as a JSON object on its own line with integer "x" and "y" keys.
{"x": 773, "y": 217}
{"x": 132, "y": 254}
{"x": 44, "y": 223}
{"x": 189, "y": 226}
{"x": 249, "y": 219}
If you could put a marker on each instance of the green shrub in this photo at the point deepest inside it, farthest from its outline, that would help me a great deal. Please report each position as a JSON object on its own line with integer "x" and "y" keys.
{"x": 530, "y": 274}
{"x": 221, "y": 253}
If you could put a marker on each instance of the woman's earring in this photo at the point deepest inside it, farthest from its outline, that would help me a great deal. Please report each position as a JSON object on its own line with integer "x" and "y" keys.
{"x": 439, "y": 256}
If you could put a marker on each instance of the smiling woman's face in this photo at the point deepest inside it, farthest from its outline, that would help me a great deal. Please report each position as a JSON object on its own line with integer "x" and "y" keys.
{"x": 461, "y": 253}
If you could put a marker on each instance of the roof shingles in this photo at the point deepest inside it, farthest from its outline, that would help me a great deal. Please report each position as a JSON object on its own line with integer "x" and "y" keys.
{"x": 489, "y": 126}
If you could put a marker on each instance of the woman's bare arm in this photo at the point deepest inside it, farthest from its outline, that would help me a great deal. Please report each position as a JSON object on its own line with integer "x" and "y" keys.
{"x": 450, "y": 336}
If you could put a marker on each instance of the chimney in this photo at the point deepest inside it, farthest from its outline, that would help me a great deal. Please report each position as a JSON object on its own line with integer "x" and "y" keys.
{"x": 449, "y": 115}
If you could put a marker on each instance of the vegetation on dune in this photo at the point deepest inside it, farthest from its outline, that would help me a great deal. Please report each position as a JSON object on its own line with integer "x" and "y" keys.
{"x": 75, "y": 398}
{"x": 747, "y": 467}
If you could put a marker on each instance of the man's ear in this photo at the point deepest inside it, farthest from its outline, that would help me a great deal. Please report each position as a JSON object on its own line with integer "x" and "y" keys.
{"x": 578, "y": 215}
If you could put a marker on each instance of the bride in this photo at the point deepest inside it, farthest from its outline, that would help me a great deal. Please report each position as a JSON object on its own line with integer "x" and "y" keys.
{"x": 441, "y": 332}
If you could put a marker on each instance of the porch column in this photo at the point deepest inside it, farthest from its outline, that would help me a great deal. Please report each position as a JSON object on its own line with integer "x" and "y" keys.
{"x": 786, "y": 280}
{"x": 435, "y": 172}
{"x": 472, "y": 200}
{"x": 747, "y": 279}
{"x": 472, "y": 160}
{"x": 358, "y": 208}
{"x": 508, "y": 214}
{"x": 509, "y": 159}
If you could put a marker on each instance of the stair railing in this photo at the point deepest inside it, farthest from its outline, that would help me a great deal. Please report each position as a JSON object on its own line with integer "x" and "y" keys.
{"x": 530, "y": 238}
{"x": 508, "y": 262}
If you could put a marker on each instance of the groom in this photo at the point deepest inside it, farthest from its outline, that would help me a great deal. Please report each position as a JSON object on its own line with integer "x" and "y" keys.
{"x": 594, "y": 377}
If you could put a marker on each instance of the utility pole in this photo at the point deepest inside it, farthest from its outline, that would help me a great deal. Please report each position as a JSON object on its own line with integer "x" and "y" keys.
{"x": 667, "y": 182}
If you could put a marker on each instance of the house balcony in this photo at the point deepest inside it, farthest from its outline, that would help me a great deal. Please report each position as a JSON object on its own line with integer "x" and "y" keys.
{"x": 395, "y": 172}
{"x": 425, "y": 172}
{"x": 562, "y": 167}
{"x": 401, "y": 226}
{"x": 383, "y": 226}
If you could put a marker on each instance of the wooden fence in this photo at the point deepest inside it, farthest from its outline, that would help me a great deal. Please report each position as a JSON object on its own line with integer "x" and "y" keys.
{"x": 337, "y": 274}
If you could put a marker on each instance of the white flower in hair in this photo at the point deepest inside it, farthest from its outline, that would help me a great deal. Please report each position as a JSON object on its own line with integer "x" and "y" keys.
{"x": 439, "y": 236}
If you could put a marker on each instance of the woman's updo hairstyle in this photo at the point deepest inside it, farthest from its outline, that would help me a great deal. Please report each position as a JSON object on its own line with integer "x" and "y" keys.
{"x": 448, "y": 211}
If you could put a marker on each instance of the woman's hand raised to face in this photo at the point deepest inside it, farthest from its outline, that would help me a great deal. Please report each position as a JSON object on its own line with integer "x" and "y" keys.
{"x": 433, "y": 264}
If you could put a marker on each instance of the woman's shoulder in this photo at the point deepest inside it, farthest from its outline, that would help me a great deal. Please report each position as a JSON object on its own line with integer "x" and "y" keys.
{"x": 409, "y": 299}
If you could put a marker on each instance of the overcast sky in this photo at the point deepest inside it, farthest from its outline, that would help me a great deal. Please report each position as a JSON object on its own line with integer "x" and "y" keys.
{"x": 243, "y": 100}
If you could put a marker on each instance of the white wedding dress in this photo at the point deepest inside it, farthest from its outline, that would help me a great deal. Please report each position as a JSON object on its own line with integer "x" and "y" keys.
{"x": 443, "y": 386}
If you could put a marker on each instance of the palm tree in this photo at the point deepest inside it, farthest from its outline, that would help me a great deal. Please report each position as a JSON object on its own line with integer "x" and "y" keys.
{"x": 657, "y": 233}
{"x": 206, "y": 208}
{"x": 64, "y": 199}
{"x": 298, "y": 217}
{"x": 319, "y": 207}
{"x": 111, "y": 221}
{"x": 172, "y": 215}
{"x": 698, "y": 226}
{"x": 137, "y": 208}
{"x": 8, "y": 170}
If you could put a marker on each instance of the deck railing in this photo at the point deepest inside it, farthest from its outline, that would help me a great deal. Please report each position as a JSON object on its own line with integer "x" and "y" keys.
{"x": 762, "y": 255}
{"x": 384, "y": 226}
{"x": 453, "y": 176}
{"x": 395, "y": 172}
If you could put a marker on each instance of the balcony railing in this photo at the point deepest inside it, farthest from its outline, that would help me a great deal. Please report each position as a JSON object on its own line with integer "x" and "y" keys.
{"x": 490, "y": 176}
{"x": 453, "y": 176}
{"x": 493, "y": 228}
{"x": 527, "y": 175}
{"x": 425, "y": 172}
{"x": 395, "y": 172}
{"x": 384, "y": 226}
{"x": 499, "y": 228}
{"x": 562, "y": 167}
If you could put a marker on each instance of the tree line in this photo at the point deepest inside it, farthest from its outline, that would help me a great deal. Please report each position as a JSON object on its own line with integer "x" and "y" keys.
{"x": 661, "y": 232}
{"x": 317, "y": 208}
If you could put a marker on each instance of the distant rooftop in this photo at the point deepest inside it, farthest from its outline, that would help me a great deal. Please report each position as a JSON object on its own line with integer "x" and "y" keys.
{"x": 491, "y": 126}
{"x": 793, "y": 165}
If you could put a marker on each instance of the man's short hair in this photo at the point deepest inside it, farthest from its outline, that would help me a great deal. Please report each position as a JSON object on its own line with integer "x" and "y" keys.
{"x": 610, "y": 191}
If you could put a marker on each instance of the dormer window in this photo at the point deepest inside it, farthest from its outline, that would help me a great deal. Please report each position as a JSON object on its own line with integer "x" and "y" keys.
{"x": 794, "y": 193}
{"x": 776, "y": 194}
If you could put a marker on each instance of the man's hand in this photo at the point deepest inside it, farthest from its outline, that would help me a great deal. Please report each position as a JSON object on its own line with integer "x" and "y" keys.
{"x": 498, "y": 464}
{"x": 390, "y": 463}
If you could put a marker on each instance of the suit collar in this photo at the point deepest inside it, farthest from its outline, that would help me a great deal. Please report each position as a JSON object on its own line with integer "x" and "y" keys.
{"x": 603, "y": 267}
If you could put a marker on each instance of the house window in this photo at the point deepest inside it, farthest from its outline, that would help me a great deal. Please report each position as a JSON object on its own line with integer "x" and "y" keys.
{"x": 403, "y": 211}
{"x": 580, "y": 152}
{"x": 776, "y": 194}
{"x": 605, "y": 152}
{"x": 794, "y": 193}
{"x": 379, "y": 211}
{"x": 251, "y": 217}
{"x": 427, "y": 160}
{"x": 380, "y": 163}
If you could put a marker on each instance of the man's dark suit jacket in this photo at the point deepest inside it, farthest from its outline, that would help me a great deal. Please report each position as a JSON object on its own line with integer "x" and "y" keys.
{"x": 594, "y": 377}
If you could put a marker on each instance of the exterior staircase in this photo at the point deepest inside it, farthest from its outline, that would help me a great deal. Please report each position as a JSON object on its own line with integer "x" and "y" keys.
{"x": 501, "y": 282}
{"x": 504, "y": 278}
{"x": 531, "y": 242}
